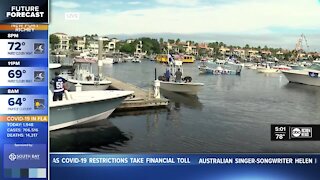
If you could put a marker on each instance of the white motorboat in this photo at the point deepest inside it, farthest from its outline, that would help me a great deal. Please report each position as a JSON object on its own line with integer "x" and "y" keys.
{"x": 248, "y": 65}
{"x": 308, "y": 76}
{"x": 107, "y": 61}
{"x": 282, "y": 67}
{"x": 185, "y": 87}
{"x": 268, "y": 68}
{"x": 78, "y": 108}
{"x": 219, "y": 70}
{"x": 84, "y": 75}
{"x": 82, "y": 107}
{"x": 136, "y": 60}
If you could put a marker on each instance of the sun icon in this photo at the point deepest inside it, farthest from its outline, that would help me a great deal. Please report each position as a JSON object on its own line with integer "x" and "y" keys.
{"x": 37, "y": 104}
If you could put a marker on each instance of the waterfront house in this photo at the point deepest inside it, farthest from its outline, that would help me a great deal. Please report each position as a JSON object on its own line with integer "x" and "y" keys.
{"x": 225, "y": 51}
{"x": 79, "y": 44}
{"x": 251, "y": 53}
{"x": 64, "y": 41}
{"x": 110, "y": 45}
{"x": 239, "y": 52}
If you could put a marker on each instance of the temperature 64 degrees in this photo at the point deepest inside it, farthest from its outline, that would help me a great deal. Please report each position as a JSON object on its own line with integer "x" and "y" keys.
{"x": 16, "y": 73}
{"x": 16, "y": 101}
{"x": 16, "y": 45}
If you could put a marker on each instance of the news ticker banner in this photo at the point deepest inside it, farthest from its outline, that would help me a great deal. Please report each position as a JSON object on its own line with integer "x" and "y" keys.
{"x": 184, "y": 166}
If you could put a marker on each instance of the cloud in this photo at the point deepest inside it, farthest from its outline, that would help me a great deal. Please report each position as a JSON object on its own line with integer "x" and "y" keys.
{"x": 179, "y": 2}
{"x": 65, "y": 4}
{"x": 248, "y": 18}
{"x": 134, "y": 2}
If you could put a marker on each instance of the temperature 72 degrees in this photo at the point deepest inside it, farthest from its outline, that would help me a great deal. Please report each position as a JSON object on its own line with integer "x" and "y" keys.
{"x": 16, "y": 45}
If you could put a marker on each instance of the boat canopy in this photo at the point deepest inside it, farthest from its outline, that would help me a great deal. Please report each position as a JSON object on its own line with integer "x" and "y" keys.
{"x": 85, "y": 60}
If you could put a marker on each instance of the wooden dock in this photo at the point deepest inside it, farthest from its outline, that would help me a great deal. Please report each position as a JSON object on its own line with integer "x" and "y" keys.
{"x": 141, "y": 99}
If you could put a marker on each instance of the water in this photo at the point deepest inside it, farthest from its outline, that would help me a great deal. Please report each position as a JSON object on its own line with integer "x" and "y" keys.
{"x": 230, "y": 114}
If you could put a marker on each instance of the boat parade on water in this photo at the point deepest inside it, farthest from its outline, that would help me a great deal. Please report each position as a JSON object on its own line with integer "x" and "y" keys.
{"x": 94, "y": 89}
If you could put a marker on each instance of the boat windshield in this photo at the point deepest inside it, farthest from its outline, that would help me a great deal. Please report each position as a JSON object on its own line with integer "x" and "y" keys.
{"x": 297, "y": 67}
{"x": 315, "y": 67}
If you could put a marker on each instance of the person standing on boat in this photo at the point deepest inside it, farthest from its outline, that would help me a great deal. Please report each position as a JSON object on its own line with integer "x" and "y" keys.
{"x": 178, "y": 75}
{"x": 59, "y": 84}
{"x": 167, "y": 74}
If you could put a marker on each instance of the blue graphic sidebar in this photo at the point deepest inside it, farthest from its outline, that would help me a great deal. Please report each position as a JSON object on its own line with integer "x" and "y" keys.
{"x": 24, "y": 101}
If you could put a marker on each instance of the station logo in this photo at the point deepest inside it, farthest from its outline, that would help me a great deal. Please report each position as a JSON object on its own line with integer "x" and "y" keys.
{"x": 301, "y": 132}
{"x": 12, "y": 157}
{"x": 38, "y": 76}
{"x": 23, "y": 157}
{"x": 38, "y": 48}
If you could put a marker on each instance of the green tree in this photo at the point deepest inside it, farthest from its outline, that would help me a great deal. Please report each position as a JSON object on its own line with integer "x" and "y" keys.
{"x": 150, "y": 46}
{"x": 73, "y": 42}
{"x": 161, "y": 41}
{"x": 178, "y": 41}
{"x": 171, "y": 41}
{"x": 54, "y": 40}
{"x": 222, "y": 44}
{"x": 247, "y": 46}
{"x": 128, "y": 48}
{"x": 259, "y": 48}
{"x": 265, "y": 48}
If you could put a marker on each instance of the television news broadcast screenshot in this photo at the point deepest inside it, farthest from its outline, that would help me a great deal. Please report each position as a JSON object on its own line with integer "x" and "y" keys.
{"x": 160, "y": 89}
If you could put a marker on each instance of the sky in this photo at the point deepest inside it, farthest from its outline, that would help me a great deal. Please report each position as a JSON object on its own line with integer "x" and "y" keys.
{"x": 275, "y": 23}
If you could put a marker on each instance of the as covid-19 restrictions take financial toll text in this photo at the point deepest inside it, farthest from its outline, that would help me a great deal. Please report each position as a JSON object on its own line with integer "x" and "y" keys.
{"x": 103, "y": 160}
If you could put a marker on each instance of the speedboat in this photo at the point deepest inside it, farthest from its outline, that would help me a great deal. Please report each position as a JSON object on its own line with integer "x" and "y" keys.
{"x": 107, "y": 60}
{"x": 268, "y": 68}
{"x": 84, "y": 75}
{"x": 136, "y": 60}
{"x": 185, "y": 87}
{"x": 219, "y": 70}
{"x": 78, "y": 108}
{"x": 248, "y": 65}
{"x": 181, "y": 87}
{"x": 282, "y": 67}
{"x": 308, "y": 76}
{"x": 82, "y": 107}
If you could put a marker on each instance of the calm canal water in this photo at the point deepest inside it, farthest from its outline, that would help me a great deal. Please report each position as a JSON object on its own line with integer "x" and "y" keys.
{"x": 230, "y": 114}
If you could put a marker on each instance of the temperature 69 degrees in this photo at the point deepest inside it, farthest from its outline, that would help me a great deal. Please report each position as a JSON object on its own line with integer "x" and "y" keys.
{"x": 16, "y": 73}
{"x": 16, "y": 45}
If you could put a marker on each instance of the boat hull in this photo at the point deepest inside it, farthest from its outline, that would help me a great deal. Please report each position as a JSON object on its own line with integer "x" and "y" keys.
{"x": 68, "y": 114}
{"x": 185, "y": 88}
{"x": 301, "y": 78}
{"x": 81, "y": 113}
{"x": 217, "y": 71}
